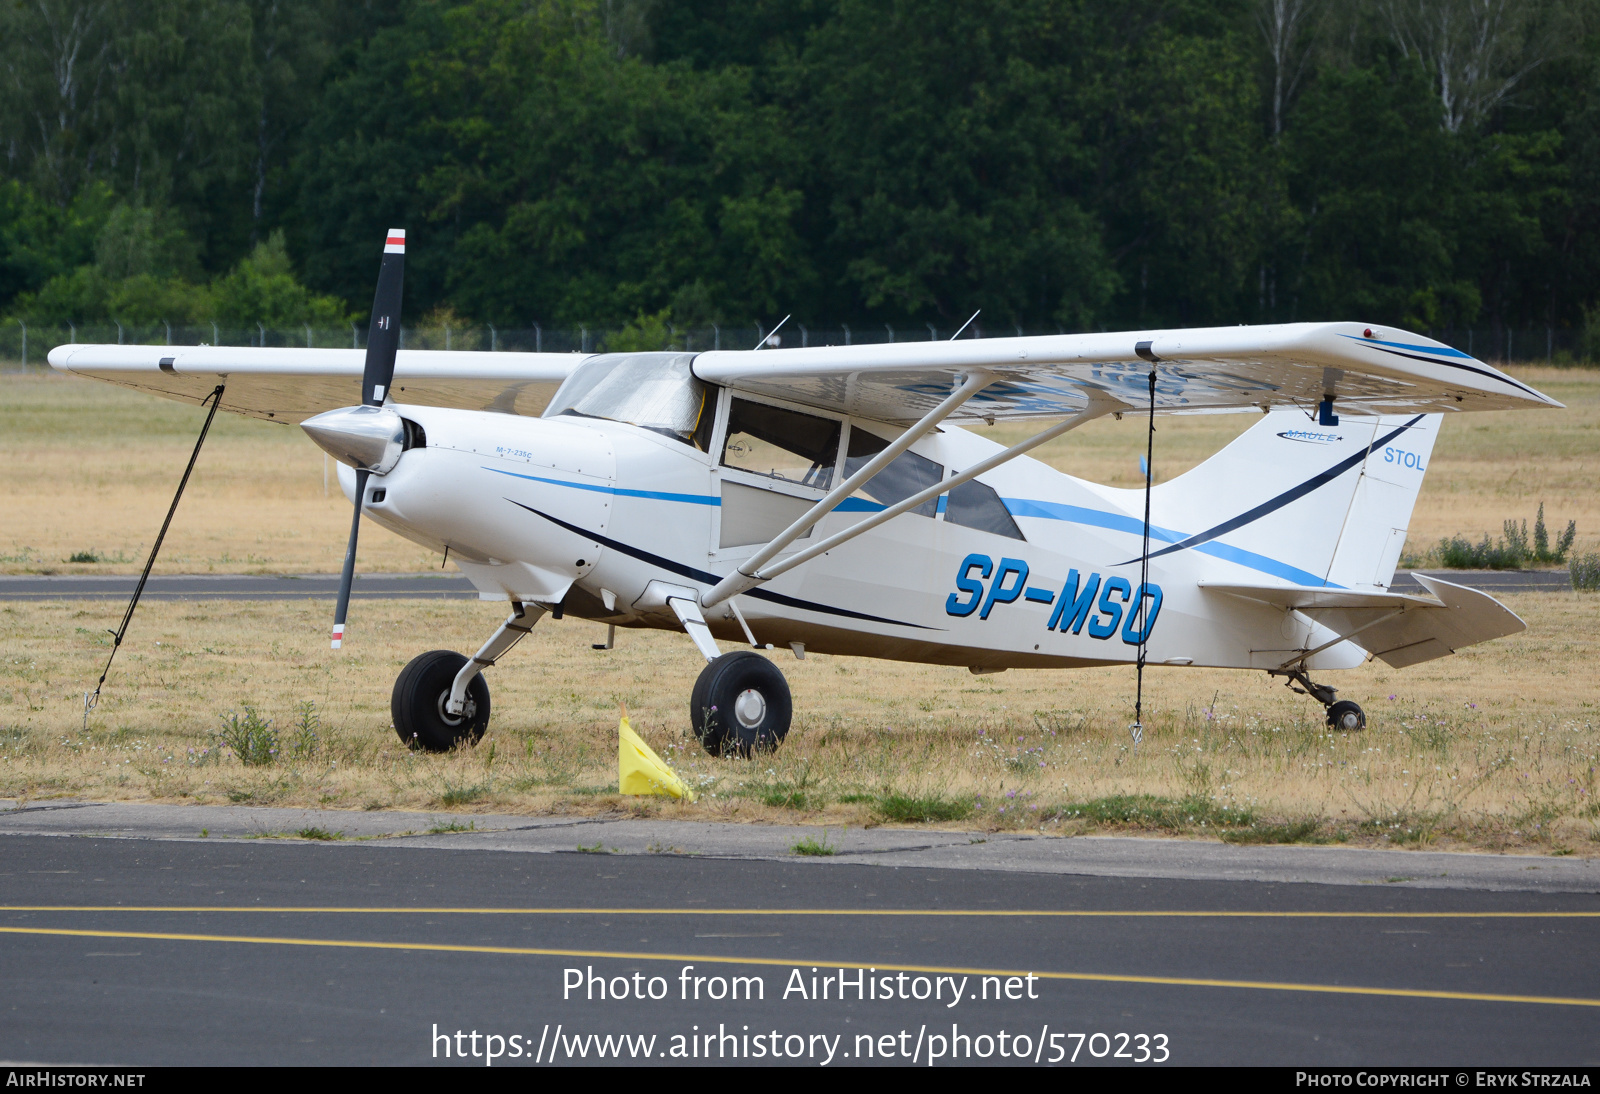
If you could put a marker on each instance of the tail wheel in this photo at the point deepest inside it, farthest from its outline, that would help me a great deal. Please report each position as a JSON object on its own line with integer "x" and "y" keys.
{"x": 418, "y": 703}
{"x": 740, "y": 705}
{"x": 1347, "y": 716}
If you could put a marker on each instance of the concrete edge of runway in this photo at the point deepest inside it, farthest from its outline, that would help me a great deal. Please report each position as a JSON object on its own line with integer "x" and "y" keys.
{"x": 1103, "y": 856}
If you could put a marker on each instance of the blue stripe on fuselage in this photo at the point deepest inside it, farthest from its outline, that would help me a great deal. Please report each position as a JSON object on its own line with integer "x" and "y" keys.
{"x": 1121, "y": 522}
{"x": 848, "y": 505}
{"x": 1021, "y": 507}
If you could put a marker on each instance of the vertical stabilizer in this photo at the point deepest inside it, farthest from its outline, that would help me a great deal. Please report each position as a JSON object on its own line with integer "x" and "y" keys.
{"x": 1305, "y": 503}
{"x": 1374, "y": 530}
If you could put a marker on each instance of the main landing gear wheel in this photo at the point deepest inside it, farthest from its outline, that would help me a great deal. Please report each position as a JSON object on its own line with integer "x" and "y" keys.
{"x": 1347, "y": 716}
{"x": 420, "y": 693}
{"x": 740, "y": 705}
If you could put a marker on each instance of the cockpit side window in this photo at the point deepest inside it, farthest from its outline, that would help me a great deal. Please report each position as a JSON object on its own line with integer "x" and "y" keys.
{"x": 977, "y": 506}
{"x": 655, "y": 391}
{"x": 781, "y": 444}
{"x": 907, "y": 474}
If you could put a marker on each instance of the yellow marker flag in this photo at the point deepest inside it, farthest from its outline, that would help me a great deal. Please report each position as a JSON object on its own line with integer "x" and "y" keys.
{"x": 641, "y": 771}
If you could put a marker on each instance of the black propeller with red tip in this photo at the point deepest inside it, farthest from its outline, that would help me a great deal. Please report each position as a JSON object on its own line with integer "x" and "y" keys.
{"x": 383, "y": 342}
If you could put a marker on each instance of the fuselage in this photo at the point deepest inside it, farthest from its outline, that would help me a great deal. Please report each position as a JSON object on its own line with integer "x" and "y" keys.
{"x": 1035, "y": 569}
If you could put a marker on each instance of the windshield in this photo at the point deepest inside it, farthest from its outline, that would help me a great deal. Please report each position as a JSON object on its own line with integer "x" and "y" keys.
{"x": 653, "y": 390}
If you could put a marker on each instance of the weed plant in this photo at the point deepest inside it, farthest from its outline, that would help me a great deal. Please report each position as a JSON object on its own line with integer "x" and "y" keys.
{"x": 250, "y": 736}
{"x": 1512, "y": 551}
{"x": 1585, "y": 570}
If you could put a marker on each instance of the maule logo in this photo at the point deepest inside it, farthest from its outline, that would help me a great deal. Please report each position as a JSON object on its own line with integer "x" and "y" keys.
{"x": 1309, "y": 436}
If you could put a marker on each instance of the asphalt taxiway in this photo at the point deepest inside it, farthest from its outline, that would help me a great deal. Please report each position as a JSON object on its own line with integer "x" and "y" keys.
{"x": 127, "y": 937}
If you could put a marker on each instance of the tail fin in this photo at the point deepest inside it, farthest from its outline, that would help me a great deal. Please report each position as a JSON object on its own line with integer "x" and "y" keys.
{"x": 1306, "y": 503}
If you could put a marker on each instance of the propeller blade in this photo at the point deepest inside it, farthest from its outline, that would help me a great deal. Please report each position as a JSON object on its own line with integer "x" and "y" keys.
{"x": 342, "y": 610}
{"x": 383, "y": 343}
{"x": 383, "y": 336}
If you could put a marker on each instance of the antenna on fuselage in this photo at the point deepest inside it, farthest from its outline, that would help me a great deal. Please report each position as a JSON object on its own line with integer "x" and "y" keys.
{"x": 766, "y": 338}
{"x": 965, "y": 325}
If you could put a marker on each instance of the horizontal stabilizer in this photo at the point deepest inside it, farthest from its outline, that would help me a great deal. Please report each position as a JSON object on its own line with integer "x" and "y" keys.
{"x": 1398, "y": 628}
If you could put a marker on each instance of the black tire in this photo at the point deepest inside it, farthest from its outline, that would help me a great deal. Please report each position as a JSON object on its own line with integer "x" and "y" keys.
{"x": 1347, "y": 717}
{"x": 723, "y": 726}
{"x": 417, "y": 704}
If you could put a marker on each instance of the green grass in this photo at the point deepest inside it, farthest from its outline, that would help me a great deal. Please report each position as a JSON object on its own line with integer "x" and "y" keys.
{"x": 1305, "y": 830}
{"x": 463, "y": 795}
{"x": 319, "y": 834}
{"x": 913, "y": 808}
{"x": 1150, "y": 811}
{"x": 452, "y": 826}
{"x": 810, "y": 846}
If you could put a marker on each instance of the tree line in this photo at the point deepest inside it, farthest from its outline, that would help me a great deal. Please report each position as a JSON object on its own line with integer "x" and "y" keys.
{"x": 1088, "y": 164}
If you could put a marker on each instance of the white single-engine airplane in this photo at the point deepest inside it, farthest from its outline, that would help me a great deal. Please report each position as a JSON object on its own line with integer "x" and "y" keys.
{"x": 826, "y": 500}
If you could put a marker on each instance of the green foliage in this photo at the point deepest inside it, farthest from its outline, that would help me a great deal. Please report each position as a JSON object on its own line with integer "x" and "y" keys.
{"x": 643, "y": 332}
{"x": 251, "y": 737}
{"x": 263, "y": 289}
{"x": 1585, "y": 571}
{"x": 1511, "y": 552}
{"x": 1104, "y": 164}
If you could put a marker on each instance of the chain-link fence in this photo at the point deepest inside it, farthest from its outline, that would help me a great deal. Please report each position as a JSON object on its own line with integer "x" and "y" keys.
{"x": 27, "y": 346}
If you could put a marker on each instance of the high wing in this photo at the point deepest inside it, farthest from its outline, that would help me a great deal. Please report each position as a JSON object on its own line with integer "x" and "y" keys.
{"x": 1399, "y": 629}
{"x": 291, "y": 385}
{"x": 1366, "y": 370}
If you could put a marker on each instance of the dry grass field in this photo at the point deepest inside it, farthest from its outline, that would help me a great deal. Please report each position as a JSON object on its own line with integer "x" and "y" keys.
{"x": 91, "y": 469}
{"x": 1495, "y": 747}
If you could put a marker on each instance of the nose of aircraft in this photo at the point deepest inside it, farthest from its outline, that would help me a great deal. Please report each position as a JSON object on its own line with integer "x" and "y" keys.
{"x": 368, "y": 438}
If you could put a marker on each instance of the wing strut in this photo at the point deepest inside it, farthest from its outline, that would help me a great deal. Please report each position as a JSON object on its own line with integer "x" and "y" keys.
{"x": 1099, "y": 405}
{"x": 743, "y": 578}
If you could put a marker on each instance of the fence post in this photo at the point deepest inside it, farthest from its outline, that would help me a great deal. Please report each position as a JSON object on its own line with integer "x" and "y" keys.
{"x": 716, "y": 336}
{"x": 933, "y": 335}
{"x": 263, "y": 329}
{"x": 538, "y": 338}
{"x": 805, "y": 335}
{"x": 216, "y": 334}
{"x": 847, "y": 334}
{"x": 584, "y": 334}
{"x": 73, "y": 337}
{"x": 308, "y": 335}
{"x": 355, "y": 336}
{"x": 168, "y": 325}
{"x": 24, "y": 343}
{"x": 890, "y": 329}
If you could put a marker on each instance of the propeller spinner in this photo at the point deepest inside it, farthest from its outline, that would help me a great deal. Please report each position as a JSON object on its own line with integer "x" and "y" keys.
{"x": 368, "y": 437}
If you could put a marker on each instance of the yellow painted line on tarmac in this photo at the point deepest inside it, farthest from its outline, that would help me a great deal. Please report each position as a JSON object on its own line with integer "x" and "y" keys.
{"x": 1008, "y": 913}
{"x": 710, "y": 959}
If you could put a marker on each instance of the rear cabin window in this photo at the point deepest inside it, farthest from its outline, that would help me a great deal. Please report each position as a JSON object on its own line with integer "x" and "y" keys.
{"x": 975, "y": 505}
{"x": 907, "y": 474}
{"x": 781, "y": 444}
